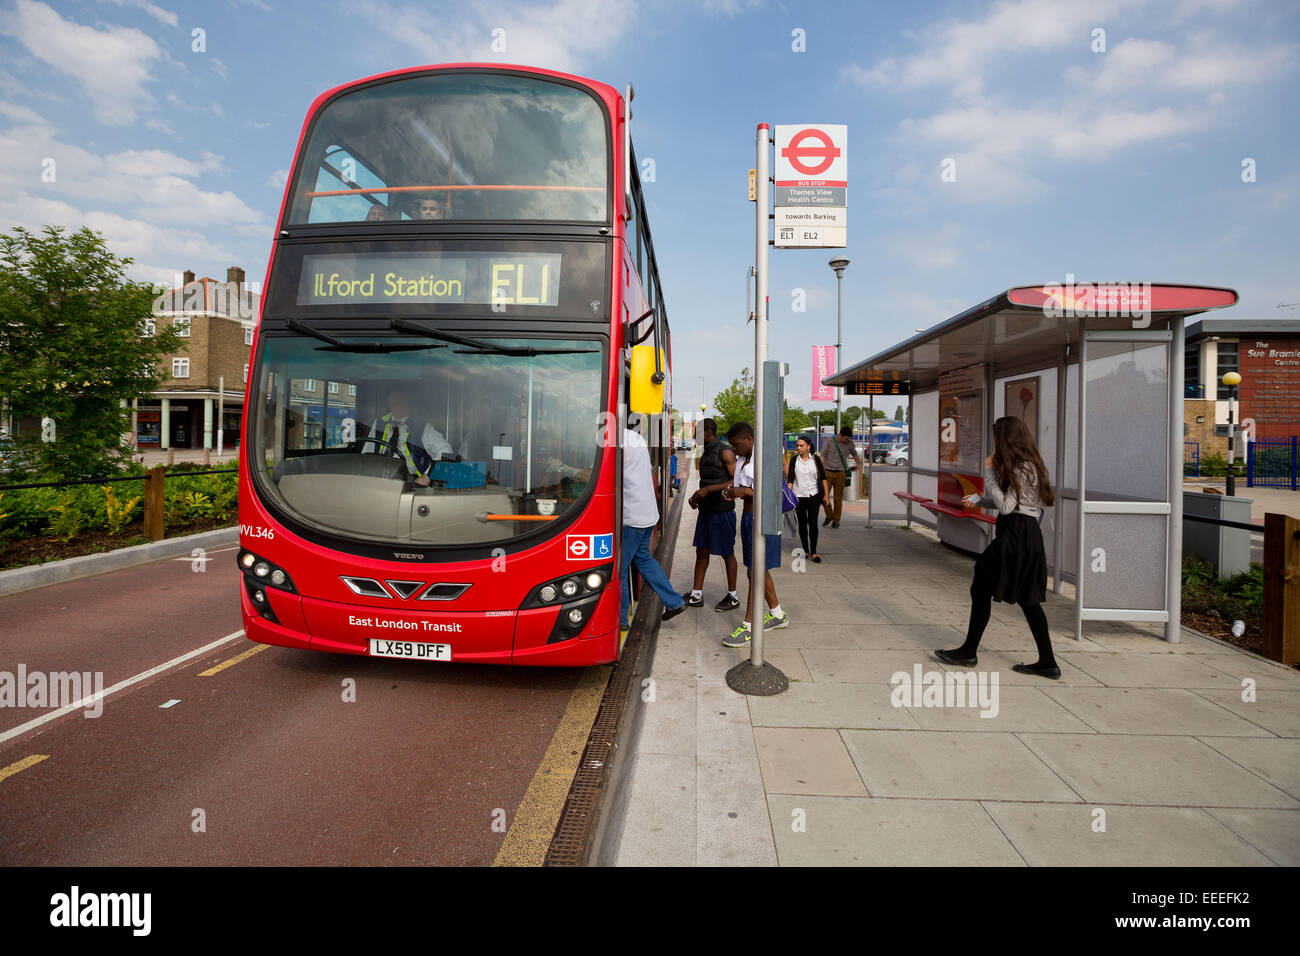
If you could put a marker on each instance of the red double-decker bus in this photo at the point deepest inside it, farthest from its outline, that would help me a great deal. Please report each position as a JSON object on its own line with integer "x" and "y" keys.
{"x": 458, "y": 305}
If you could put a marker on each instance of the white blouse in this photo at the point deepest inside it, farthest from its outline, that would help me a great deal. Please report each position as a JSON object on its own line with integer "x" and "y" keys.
{"x": 805, "y": 477}
{"x": 1006, "y": 502}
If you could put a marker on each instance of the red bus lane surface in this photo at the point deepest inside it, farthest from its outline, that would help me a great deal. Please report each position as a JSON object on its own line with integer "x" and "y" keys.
{"x": 284, "y": 757}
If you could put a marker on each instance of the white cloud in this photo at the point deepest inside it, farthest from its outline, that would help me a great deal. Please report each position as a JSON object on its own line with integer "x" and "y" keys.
{"x": 22, "y": 114}
{"x": 955, "y": 52}
{"x": 1208, "y": 62}
{"x": 158, "y": 13}
{"x": 111, "y": 64}
{"x": 561, "y": 35}
{"x": 278, "y": 179}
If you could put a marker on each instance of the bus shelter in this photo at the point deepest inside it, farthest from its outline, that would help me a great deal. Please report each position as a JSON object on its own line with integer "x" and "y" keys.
{"x": 1113, "y": 448}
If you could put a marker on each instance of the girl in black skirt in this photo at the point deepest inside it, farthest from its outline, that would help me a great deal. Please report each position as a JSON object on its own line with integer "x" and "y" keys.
{"x": 1013, "y": 568}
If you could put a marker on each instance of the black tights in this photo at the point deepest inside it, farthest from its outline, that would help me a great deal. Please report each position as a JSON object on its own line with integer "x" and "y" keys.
{"x": 806, "y": 512}
{"x": 982, "y": 607}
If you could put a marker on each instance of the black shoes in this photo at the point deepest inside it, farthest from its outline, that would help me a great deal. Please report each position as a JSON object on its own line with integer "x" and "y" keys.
{"x": 835, "y": 524}
{"x": 826, "y": 522}
{"x": 728, "y": 603}
{"x": 957, "y": 658}
{"x": 1051, "y": 672}
{"x": 672, "y": 612}
{"x": 817, "y": 558}
{"x": 692, "y": 601}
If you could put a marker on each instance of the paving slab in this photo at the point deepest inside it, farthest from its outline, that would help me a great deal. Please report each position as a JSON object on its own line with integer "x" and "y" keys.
{"x": 952, "y": 766}
{"x": 1151, "y": 710}
{"x": 1153, "y": 771}
{"x": 832, "y": 705}
{"x": 1068, "y": 835}
{"x": 1277, "y": 711}
{"x": 1018, "y": 708}
{"x": 668, "y": 721}
{"x": 1275, "y": 833}
{"x": 659, "y": 821}
{"x": 1275, "y": 759}
{"x": 732, "y": 827}
{"x": 849, "y": 831}
{"x": 721, "y": 720}
{"x": 1149, "y": 670}
{"x": 865, "y": 667}
{"x": 801, "y": 760}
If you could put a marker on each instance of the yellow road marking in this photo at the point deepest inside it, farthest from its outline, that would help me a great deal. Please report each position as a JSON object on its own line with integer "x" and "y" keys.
{"x": 22, "y": 765}
{"x": 234, "y": 660}
{"x": 534, "y": 824}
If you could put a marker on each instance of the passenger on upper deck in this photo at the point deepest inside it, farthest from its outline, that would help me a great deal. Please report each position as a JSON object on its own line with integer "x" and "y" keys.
{"x": 430, "y": 208}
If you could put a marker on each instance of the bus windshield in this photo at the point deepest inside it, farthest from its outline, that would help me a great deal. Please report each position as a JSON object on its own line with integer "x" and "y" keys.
{"x": 455, "y": 146}
{"x": 426, "y": 439}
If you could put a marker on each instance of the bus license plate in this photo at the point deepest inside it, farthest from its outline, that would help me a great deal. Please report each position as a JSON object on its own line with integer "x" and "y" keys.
{"x": 412, "y": 650}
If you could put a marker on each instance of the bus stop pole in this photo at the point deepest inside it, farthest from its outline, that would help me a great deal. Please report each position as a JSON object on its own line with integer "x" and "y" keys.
{"x": 756, "y": 676}
{"x": 1174, "y": 569}
{"x": 757, "y": 570}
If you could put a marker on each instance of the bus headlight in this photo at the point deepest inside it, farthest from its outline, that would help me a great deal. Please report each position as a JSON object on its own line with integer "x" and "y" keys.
{"x": 573, "y": 587}
{"x": 575, "y": 616}
{"x": 260, "y": 572}
{"x": 246, "y": 560}
{"x": 261, "y": 569}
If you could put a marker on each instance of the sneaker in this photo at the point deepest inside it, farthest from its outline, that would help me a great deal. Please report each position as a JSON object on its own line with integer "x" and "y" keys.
{"x": 739, "y": 637}
{"x": 672, "y": 612}
{"x": 728, "y": 603}
{"x": 692, "y": 601}
{"x": 771, "y": 623}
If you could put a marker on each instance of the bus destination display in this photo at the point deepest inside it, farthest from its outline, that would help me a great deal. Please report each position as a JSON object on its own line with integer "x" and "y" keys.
{"x": 889, "y": 383}
{"x": 520, "y": 278}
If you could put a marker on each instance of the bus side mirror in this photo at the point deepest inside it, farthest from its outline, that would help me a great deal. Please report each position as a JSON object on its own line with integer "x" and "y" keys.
{"x": 646, "y": 396}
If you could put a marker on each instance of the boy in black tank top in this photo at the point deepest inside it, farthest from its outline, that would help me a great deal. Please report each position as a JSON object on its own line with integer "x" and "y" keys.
{"x": 715, "y": 526}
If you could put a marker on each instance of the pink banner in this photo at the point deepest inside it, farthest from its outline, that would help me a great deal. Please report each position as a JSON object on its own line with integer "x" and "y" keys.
{"x": 823, "y": 365}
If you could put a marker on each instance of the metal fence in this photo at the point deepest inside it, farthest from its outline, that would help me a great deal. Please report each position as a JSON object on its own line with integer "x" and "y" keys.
{"x": 1271, "y": 463}
{"x": 1191, "y": 459}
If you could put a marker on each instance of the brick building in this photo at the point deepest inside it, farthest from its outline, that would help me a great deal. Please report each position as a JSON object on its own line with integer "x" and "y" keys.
{"x": 1266, "y": 353}
{"x": 216, "y": 321}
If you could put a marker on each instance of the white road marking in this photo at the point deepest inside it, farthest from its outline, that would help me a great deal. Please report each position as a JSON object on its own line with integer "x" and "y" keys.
{"x": 86, "y": 702}
{"x": 171, "y": 703}
{"x": 207, "y": 554}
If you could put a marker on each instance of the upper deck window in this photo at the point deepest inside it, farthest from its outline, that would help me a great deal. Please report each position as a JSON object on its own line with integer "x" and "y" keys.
{"x": 456, "y": 146}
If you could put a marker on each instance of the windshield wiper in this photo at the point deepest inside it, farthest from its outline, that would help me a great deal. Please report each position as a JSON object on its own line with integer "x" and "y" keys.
{"x": 474, "y": 345}
{"x": 338, "y": 345}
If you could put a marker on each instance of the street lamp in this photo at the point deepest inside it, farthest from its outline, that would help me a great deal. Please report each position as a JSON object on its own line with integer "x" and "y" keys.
{"x": 1232, "y": 380}
{"x": 839, "y": 264}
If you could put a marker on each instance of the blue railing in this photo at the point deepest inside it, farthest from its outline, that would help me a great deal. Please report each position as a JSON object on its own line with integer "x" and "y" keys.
{"x": 1271, "y": 463}
{"x": 1191, "y": 459}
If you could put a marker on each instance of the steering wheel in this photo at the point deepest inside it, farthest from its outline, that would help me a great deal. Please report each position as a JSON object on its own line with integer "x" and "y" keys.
{"x": 386, "y": 444}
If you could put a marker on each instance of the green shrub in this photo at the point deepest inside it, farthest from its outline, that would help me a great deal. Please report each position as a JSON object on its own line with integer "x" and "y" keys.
{"x": 118, "y": 512}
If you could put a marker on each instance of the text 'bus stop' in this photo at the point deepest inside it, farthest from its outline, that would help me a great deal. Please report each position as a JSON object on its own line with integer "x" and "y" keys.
{"x": 1113, "y": 449}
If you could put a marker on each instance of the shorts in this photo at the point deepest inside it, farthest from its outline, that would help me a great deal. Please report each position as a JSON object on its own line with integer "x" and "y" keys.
{"x": 771, "y": 554}
{"x": 716, "y": 532}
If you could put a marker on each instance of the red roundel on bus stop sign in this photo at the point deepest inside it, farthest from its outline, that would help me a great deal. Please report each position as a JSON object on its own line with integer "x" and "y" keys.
{"x": 822, "y": 153}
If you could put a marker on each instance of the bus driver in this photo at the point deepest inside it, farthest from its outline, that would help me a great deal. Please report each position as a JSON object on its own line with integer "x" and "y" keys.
{"x": 390, "y": 434}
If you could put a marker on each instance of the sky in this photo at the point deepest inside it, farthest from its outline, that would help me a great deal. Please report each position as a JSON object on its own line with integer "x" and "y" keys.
{"x": 1116, "y": 140}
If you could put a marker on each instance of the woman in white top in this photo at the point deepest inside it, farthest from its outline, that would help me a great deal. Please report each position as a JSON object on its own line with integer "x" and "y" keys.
{"x": 807, "y": 478}
{"x": 1013, "y": 568}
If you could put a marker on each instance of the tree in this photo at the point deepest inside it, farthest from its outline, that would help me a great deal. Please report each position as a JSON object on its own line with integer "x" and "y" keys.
{"x": 898, "y": 413}
{"x": 796, "y": 419}
{"x": 71, "y": 347}
{"x": 735, "y": 403}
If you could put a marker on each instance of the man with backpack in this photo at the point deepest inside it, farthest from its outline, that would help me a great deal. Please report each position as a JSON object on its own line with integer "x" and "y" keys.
{"x": 836, "y": 454}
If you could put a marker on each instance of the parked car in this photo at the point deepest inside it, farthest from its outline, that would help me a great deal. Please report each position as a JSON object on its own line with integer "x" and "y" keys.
{"x": 880, "y": 450}
{"x": 897, "y": 457}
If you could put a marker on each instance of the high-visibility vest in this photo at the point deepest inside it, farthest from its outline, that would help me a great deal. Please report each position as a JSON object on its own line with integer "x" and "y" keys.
{"x": 387, "y": 435}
